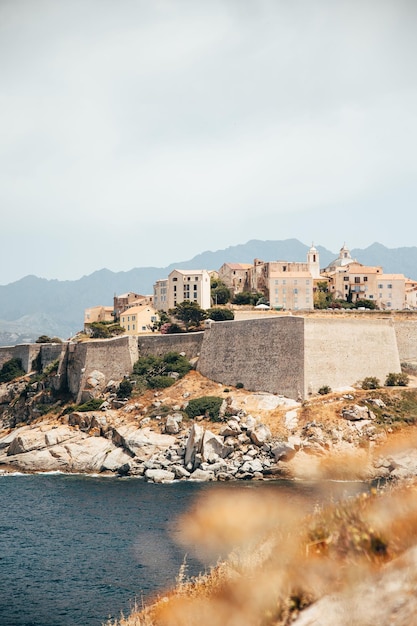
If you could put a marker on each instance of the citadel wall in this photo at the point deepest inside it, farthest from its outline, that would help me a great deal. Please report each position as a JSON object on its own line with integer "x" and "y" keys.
{"x": 262, "y": 354}
{"x": 341, "y": 351}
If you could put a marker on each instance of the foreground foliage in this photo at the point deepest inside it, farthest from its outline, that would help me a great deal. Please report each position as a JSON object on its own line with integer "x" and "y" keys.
{"x": 284, "y": 555}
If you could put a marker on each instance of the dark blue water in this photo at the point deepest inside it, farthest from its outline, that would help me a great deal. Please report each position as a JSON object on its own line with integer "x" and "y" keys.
{"x": 76, "y": 550}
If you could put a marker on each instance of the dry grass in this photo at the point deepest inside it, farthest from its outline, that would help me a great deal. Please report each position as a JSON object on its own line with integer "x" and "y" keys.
{"x": 282, "y": 554}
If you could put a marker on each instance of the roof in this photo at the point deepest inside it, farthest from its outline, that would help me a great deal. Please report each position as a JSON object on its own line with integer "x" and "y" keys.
{"x": 238, "y": 266}
{"x": 135, "y": 310}
{"x": 188, "y": 271}
{"x": 392, "y": 277}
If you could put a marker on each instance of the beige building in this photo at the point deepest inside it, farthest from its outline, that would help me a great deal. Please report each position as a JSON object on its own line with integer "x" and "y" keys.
{"x": 98, "y": 314}
{"x": 137, "y": 320}
{"x": 291, "y": 290}
{"x": 236, "y": 276}
{"x": 287, "y": 284}
{"x": 181, "y": 285}
{"x": 126, "y": 300}
{"x": 352, "y": 281}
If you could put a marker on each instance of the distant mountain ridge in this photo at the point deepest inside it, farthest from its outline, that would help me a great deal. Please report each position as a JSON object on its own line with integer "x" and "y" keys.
{"x": 33, "y": 306}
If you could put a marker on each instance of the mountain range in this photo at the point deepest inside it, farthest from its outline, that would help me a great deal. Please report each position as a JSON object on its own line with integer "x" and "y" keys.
{"x": 34, "y": 306}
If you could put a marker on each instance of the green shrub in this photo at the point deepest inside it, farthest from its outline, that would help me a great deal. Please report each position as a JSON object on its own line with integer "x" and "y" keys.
{"x": 160, "y": 382}
{"x": 91, "y": 405}
{"x": 239, "y": 385}
{"x": 11, "y": 369}
{"x": 220, "y": 315}
{"x": 324, "y": 390}
{"x": 154, "y": 369}
{"x": 206, "y": 405}
{"x": 396, "y": 380}
{"x": 125, "y": 389}
{"x": 370, "y": 382}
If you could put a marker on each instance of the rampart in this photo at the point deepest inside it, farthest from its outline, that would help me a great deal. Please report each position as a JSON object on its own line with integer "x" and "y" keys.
{"x": 343, "y": 351}
{"x": 289, "y": 355}
{"x": 113, "y": 357}
{"x": 262, "y": 354}
{"x": 190, "y": 343}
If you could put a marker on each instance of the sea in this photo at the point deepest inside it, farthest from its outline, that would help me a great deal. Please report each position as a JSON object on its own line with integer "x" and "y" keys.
{"x": 80, "y": 550}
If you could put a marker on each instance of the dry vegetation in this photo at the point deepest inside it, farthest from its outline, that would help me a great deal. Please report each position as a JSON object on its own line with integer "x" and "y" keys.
{"x": 284, "y": 556}
{"x": 288, "y": 555}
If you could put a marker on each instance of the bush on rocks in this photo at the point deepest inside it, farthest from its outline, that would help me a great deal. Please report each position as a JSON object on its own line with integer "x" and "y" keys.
{"x": 206, "y": 405}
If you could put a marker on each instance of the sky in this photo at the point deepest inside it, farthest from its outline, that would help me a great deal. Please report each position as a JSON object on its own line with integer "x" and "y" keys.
{"x": 138, "y": 133}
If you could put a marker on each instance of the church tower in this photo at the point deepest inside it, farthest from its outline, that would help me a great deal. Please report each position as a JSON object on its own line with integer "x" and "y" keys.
{"x": 313, "y": 262}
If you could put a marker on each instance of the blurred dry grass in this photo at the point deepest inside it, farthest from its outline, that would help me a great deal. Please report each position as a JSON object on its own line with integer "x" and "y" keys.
{"x": 283, "y": 554}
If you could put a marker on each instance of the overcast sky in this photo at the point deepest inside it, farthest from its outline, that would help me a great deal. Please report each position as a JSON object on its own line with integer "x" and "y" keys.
{"x": 142, "y": 132}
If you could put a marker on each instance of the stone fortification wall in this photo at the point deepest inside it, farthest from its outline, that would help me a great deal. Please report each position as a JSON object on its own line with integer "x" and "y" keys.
{"x": 406, "y": 332}
{"x": 158, "y": 345}
{"x": 341, "y": 352}
{"x": 263, "y": 354}
{"x": 27, "y": 352}
{"x": 113, "y": 357}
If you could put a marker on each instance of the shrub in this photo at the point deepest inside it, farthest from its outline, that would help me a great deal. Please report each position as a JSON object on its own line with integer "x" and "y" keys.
{"x": 91, "y": 405}
{"x": 396, "y": 380}
{"x": 220, "y": 315}
{"x": 160, "y": 382}
{"x": 125, "y": 389}
{"x": 11, "y": 369}
{"x": 239, "y": 385}
{"x": 206, "y": 405}
{"x": 370, "y": 382}
{"x": 324, "y": 390}
{"x": 154, "y": 369}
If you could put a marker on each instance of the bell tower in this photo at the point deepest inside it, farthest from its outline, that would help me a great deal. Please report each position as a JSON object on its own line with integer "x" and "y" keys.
{"x": 313, "y": 262}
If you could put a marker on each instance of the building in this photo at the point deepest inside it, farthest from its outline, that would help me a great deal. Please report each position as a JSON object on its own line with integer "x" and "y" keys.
{"x": 98, "y": 314}
{"x": 137, "y": 320}
{"x": 286, "y": 284}
{"x": 235, "y": 276}
{"x": 126, "y": 300}
{"x": 352, "y": 281}
{"x": 181, "y": 285}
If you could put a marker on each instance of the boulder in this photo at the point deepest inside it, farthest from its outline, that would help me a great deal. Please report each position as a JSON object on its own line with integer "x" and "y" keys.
{"x": 213, "y": 447}
{"x": 356, "y": 412}
{"x": 283, "y": 452}
{"x": 260, "y": 435}
{"x": 193, "y": 446}
{"x": 201, "y": 475}
{"x": 115, "y": 460}
{"x": 159, "y": 476}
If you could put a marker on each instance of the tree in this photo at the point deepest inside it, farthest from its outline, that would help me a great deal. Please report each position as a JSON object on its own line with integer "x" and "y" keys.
{"x": 190, "y": 313}
{"x": 247, "y": 297}
{"x": 220, "y": 293}
{"x": 11, "y": 369}
{"x": 323, "y": 299}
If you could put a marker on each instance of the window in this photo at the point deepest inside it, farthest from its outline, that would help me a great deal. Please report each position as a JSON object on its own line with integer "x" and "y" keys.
{"x": 143, "y": 327}
{"x": 175, "y": 279}
{"x": 276, "y": 281}
{"x": 284, "y": 282}
{"x": 295, "y": 290}
{"x": 345, "y": 278}
{"x": 133, "y": 326}
{"x": 389, "y": 286}
{"x": 380, "y": 287}
{"x": 153, "y": 318}
{"x": 365, "y": 279}
{"x": 307, "y": 282}
{"x": 295, "y": 281}
{"x": 357, "y": 279}
{"x": 346, "y": 287}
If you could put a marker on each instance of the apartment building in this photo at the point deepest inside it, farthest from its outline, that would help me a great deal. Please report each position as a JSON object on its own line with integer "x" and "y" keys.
{"x": 192, "y": 285}
{"x": 127, "y": 300}
{"x": 291, "y": 290}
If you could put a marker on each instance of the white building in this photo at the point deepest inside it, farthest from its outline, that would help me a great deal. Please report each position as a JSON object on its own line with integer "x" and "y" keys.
{"x": 181, "y": 285}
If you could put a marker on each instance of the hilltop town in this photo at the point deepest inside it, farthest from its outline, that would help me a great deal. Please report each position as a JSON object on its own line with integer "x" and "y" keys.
{"x": 274, "y": 285}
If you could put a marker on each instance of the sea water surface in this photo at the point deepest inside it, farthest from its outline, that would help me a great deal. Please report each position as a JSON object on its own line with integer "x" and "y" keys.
{"x": 76, "y": 550}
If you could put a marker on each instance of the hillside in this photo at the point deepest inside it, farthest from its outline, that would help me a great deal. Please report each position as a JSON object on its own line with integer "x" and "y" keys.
{"x": 33, "y": 306}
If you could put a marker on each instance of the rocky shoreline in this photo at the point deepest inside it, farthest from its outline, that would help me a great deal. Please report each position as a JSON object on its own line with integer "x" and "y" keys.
{"x": 127, "y": 438}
